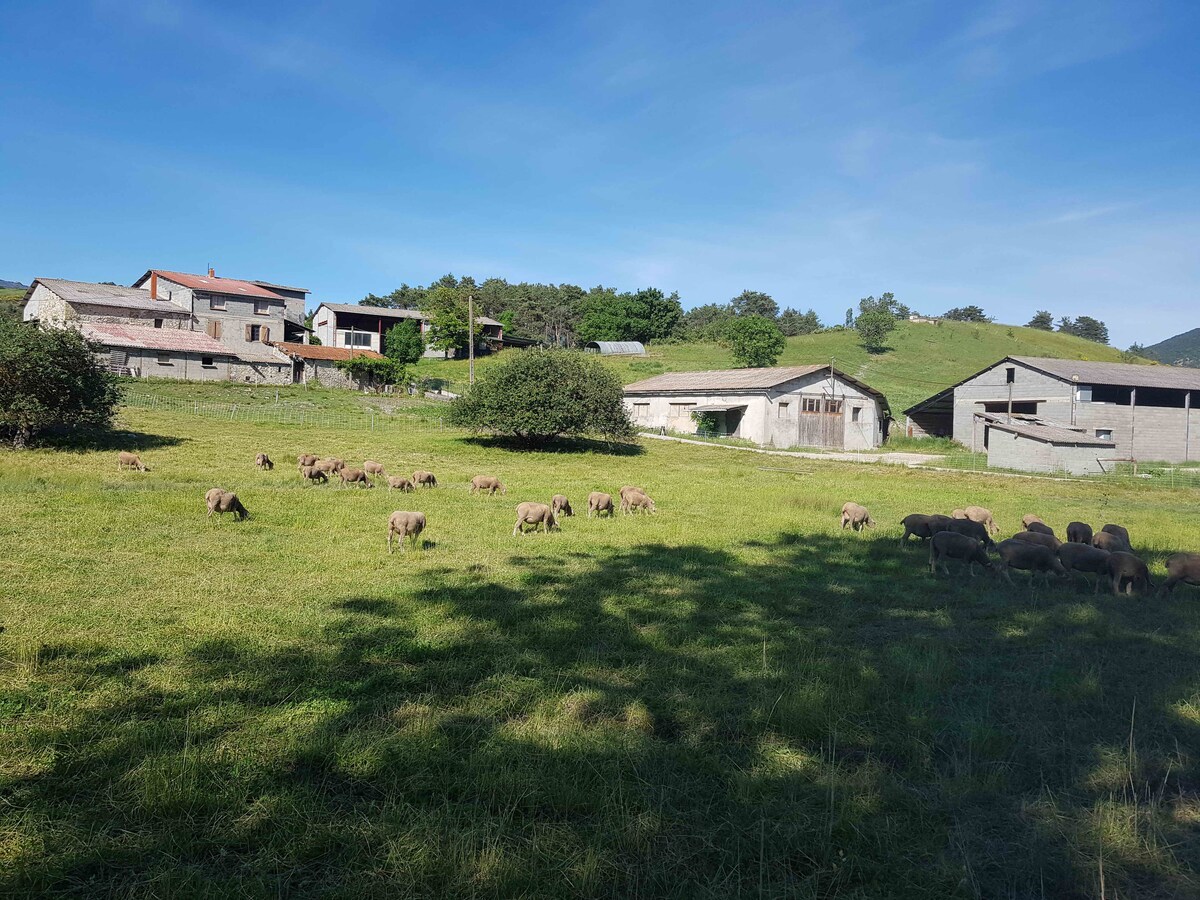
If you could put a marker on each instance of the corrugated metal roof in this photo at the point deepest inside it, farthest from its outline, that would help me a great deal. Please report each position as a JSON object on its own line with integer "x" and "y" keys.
{"x": 618, "y": 348}
{"x": 279, "y": 287}
{"x": 214, "y": 285}
{"x": 719, "y": 380}
{"x": 314, "y": 351}
{"x": 113, "y": 295}
{"x": 1120, "y": 374}
{"x": 146, "y": 338}
{"x": 1051, "y": 434}
{"x": 389, "y": 312}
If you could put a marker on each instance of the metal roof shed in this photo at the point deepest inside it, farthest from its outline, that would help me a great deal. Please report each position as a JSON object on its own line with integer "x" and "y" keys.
{"x": 616, "y": 348}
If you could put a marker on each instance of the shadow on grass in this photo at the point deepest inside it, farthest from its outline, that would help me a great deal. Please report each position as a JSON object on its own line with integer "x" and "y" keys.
{"x": 114, "y": 439}
{"x": 558, "y": 445}
{"x": 817, "y": 717}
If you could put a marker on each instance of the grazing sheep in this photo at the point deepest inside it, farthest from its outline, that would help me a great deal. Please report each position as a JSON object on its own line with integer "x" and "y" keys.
{"x": 407, "y": 526}
{"x": 1032, "y": 558}
{"x": 971, "y": 530}
{"x": 983, "y": 517}
{"x": 958, "y": 513}
{"x": 600, "y": 502}
{"x": 1106, "y": 540}
{"x": 1183, "y": 567}
{"x": 535, "y": 514}
{"x": 374, "y": 469}
{"x": 561, "y": 506}
{"x": 1028, "y": 519}
{"x": 488, "y": 484}
{"x": 329, "y": 465}
{"x": 1037, "y": 537}
{"x": 264, "y": 462}
{"x": 1040, "y": 528}
{"x": 633, "y": 501}
{"x": 630, "y": 489}
{"x": 856, "y": 517}
{"x": 923, "y": 526}
{"x": 946, "y": 545}
{"x": 127, "y": 460}
{"x": 355, "y": 476}
{"x": 306, "y": 459}
{"x": 221, "y": 501}
{"x": 1128, "y": 573}
{"x": 399, "y": 483}
{"x": 425, "y": 479}
{"x": 1082, "y": 558}
{"x": 312, "y": 473}
{"x": 1079, "y": 533}
{"x": 1120, "y": 532}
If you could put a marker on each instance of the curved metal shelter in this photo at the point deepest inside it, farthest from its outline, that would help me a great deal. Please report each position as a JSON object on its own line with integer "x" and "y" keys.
{"x": 615, "y": 348}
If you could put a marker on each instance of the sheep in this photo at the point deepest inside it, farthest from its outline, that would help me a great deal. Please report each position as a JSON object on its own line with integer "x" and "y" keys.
{"x": 1032, "y": 558}
{"x": 947, "y": 545}
{"x": 1106, "y": 540}
{"x": 632, "y": 501}
{"x": 630, "y": 489}
{"x": 1040, "y": 528}
{"x": 1082, "y": 558}
{"x": 599, "y": 502}
{"x": 264, "y": 462}
{"x": 399, "y": 483}
{"x": 488, "y": 484}
{"x": 923, "y": 526}
{"x": 561, "y": 506}
{"x": 221, "y": 501}
{"x": 1128, "y": 572}
{"x": 1037, "y": 537}
{"x": 312, "y": 473}
{"x": 374, "y": 469}
{"x": 1183, "y": 567}
{"x": 1028, "y": 519}
{"x": 971, "y": 530}
{"x": 330, "y": 465}
{"x": 534, "y": 514}
{"x": 407, "y": 526}
{"x": 983, "y": 517}
{"x": 1120, "y": 532}
{"x": 425, "y": 479}
{"x": 127, "y": 460}
{"x": 1079, "y": 533}
{"x": 306, "y": 459}
{"x": 355, "y": 476}
{"x": 958, "y": 513}
{"x": 856, "y": 517}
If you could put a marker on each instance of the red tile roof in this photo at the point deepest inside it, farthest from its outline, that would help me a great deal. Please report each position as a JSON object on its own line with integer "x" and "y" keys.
{"x": 144, "y": 337}
{"x": 234, "y": 286}
{"x": 313, "y": 351}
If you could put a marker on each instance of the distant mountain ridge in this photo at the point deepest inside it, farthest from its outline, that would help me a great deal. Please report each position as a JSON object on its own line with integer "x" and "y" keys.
{"x": 13, "y": 285}
{"x": 1181, "y": 350}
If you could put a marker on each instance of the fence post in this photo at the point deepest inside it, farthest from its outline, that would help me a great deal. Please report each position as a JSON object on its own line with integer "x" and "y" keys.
{"x": 372, "y": 420}
{"x": 232, "y": 412}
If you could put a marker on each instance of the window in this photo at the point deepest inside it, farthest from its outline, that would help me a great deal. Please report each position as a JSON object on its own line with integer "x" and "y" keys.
{"x": 681, "y": 410}
{"x": 1104, "y": 434}
{"x": 855, "y": 413}
{"x": 261, "y": 307}
{"x": 1019, "y": 407}
{"x": 207, "y": 362}
{"x": 810, "y": 404}
{"x": 833, "y": 406}
{"x": 356, "y": 339}
{"x": 1111, "y": 393}
{"x": 254, "y": 332}
{"x": 164, "y": 359}
{"x": 641, "y": 411}
{"x": 119, "y": 358}
{"x": 216, "y": 302}
{"x": 1010, "y": 374}
{"x": 783, "y": 410}
{"x": 213, "y": 328}
{"x": 158, "y": 323}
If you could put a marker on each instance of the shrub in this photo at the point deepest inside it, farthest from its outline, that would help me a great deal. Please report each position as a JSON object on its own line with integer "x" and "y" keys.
{"x": 537, "y": 395}
{"x": 51, "y": 378}
{"x": 404, "y": 343}
{"x": 755, "y": 341}
{"x": 373, "y": 373}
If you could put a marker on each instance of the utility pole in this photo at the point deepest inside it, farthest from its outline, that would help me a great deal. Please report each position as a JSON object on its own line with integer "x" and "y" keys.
{"x": 471, "y": 337}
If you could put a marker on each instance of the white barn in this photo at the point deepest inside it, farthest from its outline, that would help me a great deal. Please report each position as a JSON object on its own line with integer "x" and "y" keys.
{"x": 789, "y": 406}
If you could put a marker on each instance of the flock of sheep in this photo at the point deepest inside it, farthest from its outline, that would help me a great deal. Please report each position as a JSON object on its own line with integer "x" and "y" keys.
{"x": 967, "y": 535}
{"x": 405, "y": 525}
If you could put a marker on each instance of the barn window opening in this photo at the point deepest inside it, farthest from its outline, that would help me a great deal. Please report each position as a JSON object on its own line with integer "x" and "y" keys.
{"x": 641, "y": 411}
{"x": 855, "y": 413}
{"x": 216, "y": 302}
{"x": 207, "y": 362}
{"x": 1019, "y": 407}
{"x": 164, "y": 359}
{"x": 810, "y": 404}
{"x": 1010, "y": 375}
{"x": 681, "y": 409}
{"x": 833, "y": 406}
{"x": 261, "y": 307}
{"x": 158, "y": 323}
{"x": 1104, "y": 434}
{"x": 783, "y": 410}
{"x": 1111, "y": 393}
{"x": 1165, "y": 398}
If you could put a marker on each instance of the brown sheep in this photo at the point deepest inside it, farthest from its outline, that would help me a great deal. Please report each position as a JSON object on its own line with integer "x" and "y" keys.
{"x": 630, "y": 488}
{"x": 1037, "y": 537}
{"x": 1083, "y": 558}
{"x": 633, "y": 501}
{"x": 424, "y": 479}
{"x": 355, "y": 476}
{"x": 1120, "y": 532}
{"x": 406, "y": 526}
{"x": 856, "y": 517}
{"x": 374, "y": 469}
{"x": 399, "y": 483}
{"x": 923, "y": 526}
{"x": 1079, "y": 533}
{"x": 306, "y": 459}
{"x": 946, "y": 545}
{"x": 127, "y": 460}
{"x": 312, "y": 473}
{"x": 958, "y": 513}
{"x": 983, "y": 517}
{"x": 1128, "y": 573}
{"x": 561, "y": 506}
{"x": 971, "y": 530}
{"x": 1028, "y": 519}
{"x": 264, "y": 462}
{"x": 1183, "y": 567}
{"x": 599, "y": 502}
{"x": 1106, "y": 540}
{"x": 220, "y": 501}
{"x": 1032, "y": 558}
{"x": 535, "y": 514}
{"x": 1040, "y": 528}
{"x": 329, "y": 465}
{"x": 487, "y": 484}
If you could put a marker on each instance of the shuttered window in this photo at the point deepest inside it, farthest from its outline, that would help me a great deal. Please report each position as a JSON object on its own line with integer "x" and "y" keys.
{"x": 266, "y": 333}
{"x": 213, "y": 329}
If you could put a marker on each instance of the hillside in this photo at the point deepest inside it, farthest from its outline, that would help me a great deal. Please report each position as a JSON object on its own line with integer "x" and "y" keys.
{"x": 10, "y": 303}
{"x": 924, "y": 358}
{"x": 1181, "y": 350}
{"x": 12, "y": 285}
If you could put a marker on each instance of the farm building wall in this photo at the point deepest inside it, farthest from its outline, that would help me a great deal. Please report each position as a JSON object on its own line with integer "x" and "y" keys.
{"x": 231, "y": 320}
{"x": 1016, "y": 451}
{"x": 1038, "y": 394}
{"x": 170, "y": 364}
{"x": 45, "y": 306}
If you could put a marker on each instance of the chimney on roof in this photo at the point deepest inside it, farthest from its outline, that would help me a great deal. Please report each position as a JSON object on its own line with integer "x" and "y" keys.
{"x": 153, "y": 285}
{"x": 211, "y": 273}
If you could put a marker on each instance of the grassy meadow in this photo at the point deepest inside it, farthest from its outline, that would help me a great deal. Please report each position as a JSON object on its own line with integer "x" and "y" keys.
{"x": 729, "y": 698}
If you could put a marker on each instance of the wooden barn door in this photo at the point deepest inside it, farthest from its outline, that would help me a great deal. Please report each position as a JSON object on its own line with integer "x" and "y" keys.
{"x": 821, "y": 422}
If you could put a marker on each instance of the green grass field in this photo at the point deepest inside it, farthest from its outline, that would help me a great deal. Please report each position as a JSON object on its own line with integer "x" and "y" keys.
{"x": 923, "y": 358}
{"x": 728, "y": 698}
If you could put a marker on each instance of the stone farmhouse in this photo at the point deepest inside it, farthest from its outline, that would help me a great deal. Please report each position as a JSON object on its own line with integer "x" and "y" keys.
{"x": 1043, "y": 414}
{"x": 363, "y": 327}
{"x": 789, "y": 406}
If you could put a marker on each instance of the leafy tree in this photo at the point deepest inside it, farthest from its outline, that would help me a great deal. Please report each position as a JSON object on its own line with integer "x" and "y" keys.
{"x": 755, "y": 341}
{"x": 374, "y": 373}
{"x": 308, "y": 323}
{"x": 1042, "y": 320}
{"x": 664, "y": 314}
{"x": 966, "y": 314}
{"x": 447, "y": 311}
{"x": 792, "y": 323}
{"x": 707, "y": 322}
{"x": 886, "y": 303}
{"x": 51, "y": 378}
{"x": 873, "y": 329}
{"x": 647, "y": 315}
{"x": 754, "y": 303}
{"x": 537, "y": 395}
{"x": 1066, "y": 325}
{"x": 403, "y": 342}
{"x": 1090, "y": 329}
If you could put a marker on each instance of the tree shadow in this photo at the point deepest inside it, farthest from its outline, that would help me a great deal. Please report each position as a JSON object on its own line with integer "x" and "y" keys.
{"x": 104, "y": 440}
{"x": 557, "y": 445}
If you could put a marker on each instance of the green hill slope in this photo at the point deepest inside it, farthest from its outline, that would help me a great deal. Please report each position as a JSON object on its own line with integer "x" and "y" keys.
{"x": 1181, "y": 350}
{"x": 10, "y": 303}
{"x": 923, "y": 359}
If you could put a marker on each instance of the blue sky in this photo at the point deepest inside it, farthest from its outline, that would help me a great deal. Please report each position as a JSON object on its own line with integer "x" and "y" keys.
{"x": 1019, "y": 155}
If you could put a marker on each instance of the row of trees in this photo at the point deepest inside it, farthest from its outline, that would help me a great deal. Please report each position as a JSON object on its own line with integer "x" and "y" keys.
{"x": 1082, "y": 326}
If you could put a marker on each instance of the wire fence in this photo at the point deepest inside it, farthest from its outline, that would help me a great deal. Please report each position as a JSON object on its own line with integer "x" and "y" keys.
{"x": 288, "y": 414}
{"x": 1134, "y": 474}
